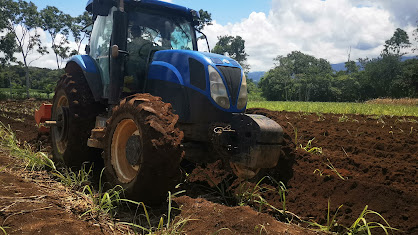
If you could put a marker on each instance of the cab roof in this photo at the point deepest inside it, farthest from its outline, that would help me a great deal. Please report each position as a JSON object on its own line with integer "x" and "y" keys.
{"x": 154, "y": 3}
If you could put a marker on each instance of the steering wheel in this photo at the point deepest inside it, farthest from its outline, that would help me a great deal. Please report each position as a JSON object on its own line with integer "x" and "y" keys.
{"x": 142, "y": 47}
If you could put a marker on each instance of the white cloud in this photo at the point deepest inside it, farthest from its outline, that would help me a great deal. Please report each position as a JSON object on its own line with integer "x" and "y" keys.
{"x": 47, "y": 60}
{"x": 325, "y": 29}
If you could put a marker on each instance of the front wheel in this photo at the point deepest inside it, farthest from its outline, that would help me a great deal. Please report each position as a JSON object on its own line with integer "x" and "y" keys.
{"x": 143, "y": 152}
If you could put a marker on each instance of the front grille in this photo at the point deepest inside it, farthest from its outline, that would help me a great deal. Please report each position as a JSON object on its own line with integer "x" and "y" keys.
{"x": 233, "y": 80}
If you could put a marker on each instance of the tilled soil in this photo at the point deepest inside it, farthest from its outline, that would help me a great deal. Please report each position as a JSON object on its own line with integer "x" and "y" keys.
{"x": 29, "y": 208}
{"x": 375, "y": 162}
{"x": 377, "y": 158}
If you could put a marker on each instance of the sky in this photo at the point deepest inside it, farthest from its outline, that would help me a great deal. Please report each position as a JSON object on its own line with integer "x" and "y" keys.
{"x": 322, "y": 28}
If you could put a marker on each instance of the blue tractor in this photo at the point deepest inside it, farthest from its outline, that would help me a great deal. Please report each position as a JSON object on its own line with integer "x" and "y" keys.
{"x": 144, "y": 98}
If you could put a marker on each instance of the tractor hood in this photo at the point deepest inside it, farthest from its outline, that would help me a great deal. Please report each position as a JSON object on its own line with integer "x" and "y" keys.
{"x": 192, "y": 69}
{"x": 203, "y": 57}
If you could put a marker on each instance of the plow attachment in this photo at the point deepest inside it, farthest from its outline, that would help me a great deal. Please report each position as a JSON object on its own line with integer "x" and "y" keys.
{"x": 42, "y": 115}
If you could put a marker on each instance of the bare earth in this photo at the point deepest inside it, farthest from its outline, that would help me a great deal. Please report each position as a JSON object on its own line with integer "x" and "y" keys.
{"x": 377, "y": 157}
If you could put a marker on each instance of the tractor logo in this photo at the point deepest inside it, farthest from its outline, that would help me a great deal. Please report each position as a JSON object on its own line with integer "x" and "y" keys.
{"x": 226, "y": 61}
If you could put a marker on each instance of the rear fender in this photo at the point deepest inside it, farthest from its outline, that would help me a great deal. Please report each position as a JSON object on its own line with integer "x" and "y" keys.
{"x": 91, "y": 72}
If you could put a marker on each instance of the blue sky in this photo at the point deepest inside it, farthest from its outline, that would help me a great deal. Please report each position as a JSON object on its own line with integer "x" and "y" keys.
{"x": 322, "y": 28}
{"x": 226, "y": 11}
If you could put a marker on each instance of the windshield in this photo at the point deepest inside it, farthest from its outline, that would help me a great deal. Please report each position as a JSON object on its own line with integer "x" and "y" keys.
{"x": 167, "y": 32}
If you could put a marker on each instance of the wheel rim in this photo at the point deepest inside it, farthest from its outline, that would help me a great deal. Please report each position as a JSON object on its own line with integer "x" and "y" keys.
{"x": 123, "y": 134}
{"x": 61, "y": 130}
{"x": 242, "y": 171}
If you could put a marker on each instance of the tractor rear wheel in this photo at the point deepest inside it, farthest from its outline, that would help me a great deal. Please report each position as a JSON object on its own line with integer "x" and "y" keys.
{"x": 75, "y": 111}
{"x": 142, "y": 148}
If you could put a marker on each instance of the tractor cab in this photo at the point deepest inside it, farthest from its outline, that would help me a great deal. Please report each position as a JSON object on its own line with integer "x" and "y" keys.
{"x": 131, "y": 32}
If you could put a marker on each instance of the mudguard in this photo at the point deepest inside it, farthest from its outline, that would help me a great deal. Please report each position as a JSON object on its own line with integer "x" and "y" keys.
{"x": 90, "y": 71}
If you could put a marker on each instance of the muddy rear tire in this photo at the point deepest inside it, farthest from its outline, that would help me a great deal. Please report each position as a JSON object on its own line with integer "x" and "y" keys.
{"x": 143, "y": 152}
{"x": 75, "y": 111}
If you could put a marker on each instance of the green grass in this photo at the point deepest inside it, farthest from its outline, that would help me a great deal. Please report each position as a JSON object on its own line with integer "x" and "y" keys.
{"x": 3, "y": 229}
{"x": 337, "y": 108}
{"x": 169, "y": 226}
{"x": 32, "y": 160}
{"x": 21, "y": 93}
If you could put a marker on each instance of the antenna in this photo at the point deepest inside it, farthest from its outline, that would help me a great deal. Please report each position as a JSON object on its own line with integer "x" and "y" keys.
{"x": 349, "y": 53}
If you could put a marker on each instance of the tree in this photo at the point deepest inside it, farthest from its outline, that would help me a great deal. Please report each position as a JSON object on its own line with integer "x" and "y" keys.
{"x": 233, "y": 47}
{"x": 351, "y": 67}
{"x": 415, "y": 34}
{"x": 22, "y": 24}
{"x": 398, "y": 41}
{"x": 7, "y": 41}
{"x": 56, "y": 23}
{"x": 76, "y": 28}
{"x": 298, "y": 76}
{"x": 204, "y": 19}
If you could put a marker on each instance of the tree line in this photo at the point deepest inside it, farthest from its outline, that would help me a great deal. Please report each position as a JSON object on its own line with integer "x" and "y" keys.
{"x": 20, "y": 22}
{"x": 301, "y": 77}
{"x": 296, "y": 76}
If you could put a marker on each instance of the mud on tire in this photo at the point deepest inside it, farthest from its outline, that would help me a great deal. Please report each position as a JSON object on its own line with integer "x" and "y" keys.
{"x": 143, "y": 152}
{"x": 69, "y": 141}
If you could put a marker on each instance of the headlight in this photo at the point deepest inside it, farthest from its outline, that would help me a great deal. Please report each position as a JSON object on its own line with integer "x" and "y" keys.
{"x": 218, "y": 89}
{"x": 243, "y": 96}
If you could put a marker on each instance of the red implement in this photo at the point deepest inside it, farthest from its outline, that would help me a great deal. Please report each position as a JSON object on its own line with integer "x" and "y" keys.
{"x": 41, "y": 115}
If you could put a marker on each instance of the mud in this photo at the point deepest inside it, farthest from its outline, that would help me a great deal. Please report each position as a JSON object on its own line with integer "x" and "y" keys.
{"x": 376, "y": 158}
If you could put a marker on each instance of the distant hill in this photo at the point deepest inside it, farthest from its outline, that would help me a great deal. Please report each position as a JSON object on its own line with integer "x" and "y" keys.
{"x": 256, "y": 76}
{"x": 341, "y": 66}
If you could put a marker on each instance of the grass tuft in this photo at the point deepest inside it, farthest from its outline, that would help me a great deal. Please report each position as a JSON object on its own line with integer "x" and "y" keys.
{"x": 308, "y": 148}
{"x": 331, "y": 221}
{"x": 3, "y": 229}
{"x": 103, "y": 202}
{"x": 74, "y": 180}
{"x": 362, "y": 226}
{"x": 164, "y": 227}
{"x": 24, "y": 151}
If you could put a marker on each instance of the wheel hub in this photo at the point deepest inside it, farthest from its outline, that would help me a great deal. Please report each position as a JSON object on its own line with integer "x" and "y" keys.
{"x": 63, "y": 114}
{"x": 126, "y": 150}
{"x": 133, "y": 150}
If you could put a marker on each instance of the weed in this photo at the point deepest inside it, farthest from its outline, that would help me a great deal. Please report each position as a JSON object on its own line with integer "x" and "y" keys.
{"x": 295, "y": 130}
{"x": 308, "y": 148}
{"x": 362, "y": 226}
{"x": 320, "y": 172}
{"x": 32, "y": 160}
{"x": 74, "y": 180}
{"x": 103, "y": 202}
{"x": 220, "y": 230}
{"x": 331, "y": 222}
{"x": 260, "y": 229}
{"x": 170, "y": 227}
{"x": 320, "y": 117}
{"x": 330, "y": 166}
{"x": 3, "y": 229}
{"x": 252, "y": 196}
{"x": 343, "y": 118}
